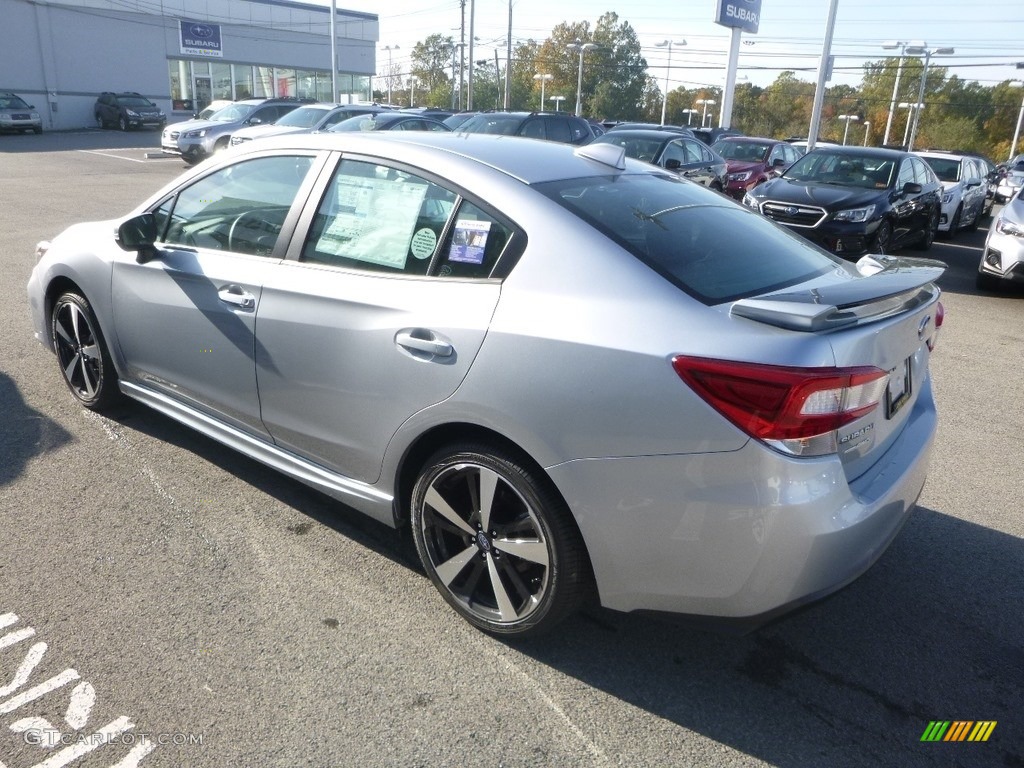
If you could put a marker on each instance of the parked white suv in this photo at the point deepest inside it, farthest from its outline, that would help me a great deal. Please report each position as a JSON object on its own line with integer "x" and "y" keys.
{"x": 964, "y": 187}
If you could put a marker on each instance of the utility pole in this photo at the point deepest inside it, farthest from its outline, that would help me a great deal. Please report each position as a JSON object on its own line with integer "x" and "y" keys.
{"x": 508, "y": 58}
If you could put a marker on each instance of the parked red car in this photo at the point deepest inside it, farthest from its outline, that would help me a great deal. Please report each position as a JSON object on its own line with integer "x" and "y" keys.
{"x": 753, "y": 161}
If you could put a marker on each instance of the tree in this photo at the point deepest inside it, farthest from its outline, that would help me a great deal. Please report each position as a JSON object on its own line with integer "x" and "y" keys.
{"x": 431, "y": 64}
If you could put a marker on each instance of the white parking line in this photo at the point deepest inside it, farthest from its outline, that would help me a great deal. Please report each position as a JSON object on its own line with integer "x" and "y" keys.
{"x": 964, "y": 247}
{"x": 106, "y": 153}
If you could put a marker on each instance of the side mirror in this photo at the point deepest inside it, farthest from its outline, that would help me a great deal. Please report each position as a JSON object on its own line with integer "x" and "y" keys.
{"x": 973, "y": 183}
{"x": 778, "y": 162}
{"x": 912, "y": 188}
{"x": 254, "y": 121}
{"x": 139, "y": 234}
{"x": 673, "y": 164}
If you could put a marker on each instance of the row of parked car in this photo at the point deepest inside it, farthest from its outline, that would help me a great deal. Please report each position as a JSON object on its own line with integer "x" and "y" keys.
{"x": 848, "y": 200}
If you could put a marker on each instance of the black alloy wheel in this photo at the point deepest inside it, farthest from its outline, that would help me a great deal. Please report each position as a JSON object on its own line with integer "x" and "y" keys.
{"x": 497, "y": 541}
{"x": 82, "y": 354}
{"x": 928, "y": 237}
{"x": 883, "y": 237}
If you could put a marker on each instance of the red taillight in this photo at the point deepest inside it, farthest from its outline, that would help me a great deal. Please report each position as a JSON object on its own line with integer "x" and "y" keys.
{"x": 773, "y": 402}
{"x": 940, "y": 314}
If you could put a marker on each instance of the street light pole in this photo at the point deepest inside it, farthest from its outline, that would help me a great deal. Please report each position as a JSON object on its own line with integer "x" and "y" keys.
{"x": 558, "y": 101}
{"x": 1016, "y": 132}
{"x": 704, "y": 116}
{"x": 896, "y": 86}
{"x": 910, "y": 114}
{"x": 580, "y": 47}
{"x": 668, "y": 70}
{"x": 690, "y": 113}
{"x": 867, "y": 131}
{"x": 543, "y": 79}
{"x": 847, "y": 119}
{"x": 920, "y": 50}
{"x": 389, "y": 49}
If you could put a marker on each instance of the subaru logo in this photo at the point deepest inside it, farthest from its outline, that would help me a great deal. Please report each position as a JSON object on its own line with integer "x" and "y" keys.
{"x": 790, "y": 210}
{"x": 922, "y": 327}
{"x": 483, "y": 542}
{"x": 202, "y": 30}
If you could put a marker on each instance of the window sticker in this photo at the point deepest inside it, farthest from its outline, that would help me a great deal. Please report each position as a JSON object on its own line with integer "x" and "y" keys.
{"x": 372, "y": 220}
{"x": 469, "y": 241}
{"x": 423, "y": 243}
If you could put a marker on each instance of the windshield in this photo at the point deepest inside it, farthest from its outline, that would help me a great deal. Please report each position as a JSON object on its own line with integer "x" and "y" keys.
{"x": 361, "y": 123}
{"x": 946, "y": 168}
{"x": 303, "y": 117}
{"x": 12, "y": 102}
{"x": 637, "y": 148}
{"x": 134, "y": 101}
{"x": 747, "y": 151}
{"x": 713, "y": 249}
{"x": 232, "y": 113}
{"x": 504, "y": 125}
{"x": 843, "y": 169}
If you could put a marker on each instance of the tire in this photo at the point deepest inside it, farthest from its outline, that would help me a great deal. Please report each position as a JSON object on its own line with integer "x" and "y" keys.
{"x": 954, "y": 225}
{"x": 82, "y": 354}
{"x": 37, "y": 131}
{"x": 514, "y": 566}
{"x": 100, "y": 122}
{"x": 883, "y": 237}
{"x": 973, "y": 226}
{"x": 222, "y": 144}
{"x": 925, "y": 243}
{"x": 986, "y": 282}
{"x": 122, "y": 123}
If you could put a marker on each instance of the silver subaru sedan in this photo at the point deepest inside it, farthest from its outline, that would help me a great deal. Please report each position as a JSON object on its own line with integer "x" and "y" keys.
{"x": 566, "y": 373}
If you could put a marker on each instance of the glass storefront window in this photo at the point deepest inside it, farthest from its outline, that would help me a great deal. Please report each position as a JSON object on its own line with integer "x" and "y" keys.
{"x": 220, "y": 80}
{"x": 263, "y": 87}
{"x": 284, "y": 80}
{"x": 243, "y": 81}
{"x": 305, "y": 83}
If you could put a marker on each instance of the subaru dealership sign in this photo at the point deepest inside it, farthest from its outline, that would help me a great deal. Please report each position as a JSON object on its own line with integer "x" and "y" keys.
{"x": 744, "y": 14}
{"x": 200, "y": 39}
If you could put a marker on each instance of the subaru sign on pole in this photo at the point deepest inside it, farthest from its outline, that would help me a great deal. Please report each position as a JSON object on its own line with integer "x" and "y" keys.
{"x": 200, "y": 39}
{"x": 741, "y": 14}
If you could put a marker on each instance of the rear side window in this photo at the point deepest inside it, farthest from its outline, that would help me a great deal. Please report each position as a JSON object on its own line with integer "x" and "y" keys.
{"x": 715, "y": 252}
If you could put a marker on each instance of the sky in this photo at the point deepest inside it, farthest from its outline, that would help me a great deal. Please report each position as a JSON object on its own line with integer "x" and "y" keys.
{"x": 988, "y": 35}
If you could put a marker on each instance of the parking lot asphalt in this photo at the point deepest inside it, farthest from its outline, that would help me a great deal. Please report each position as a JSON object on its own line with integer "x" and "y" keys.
{"x": 166, "y": 602}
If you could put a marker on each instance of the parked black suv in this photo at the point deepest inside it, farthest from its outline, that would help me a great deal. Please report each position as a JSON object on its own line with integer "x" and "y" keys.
{"x": 552, "y": 126}
{"x": 127, "y": 110}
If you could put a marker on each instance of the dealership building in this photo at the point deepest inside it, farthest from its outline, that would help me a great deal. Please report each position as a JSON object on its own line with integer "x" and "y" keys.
{"x": 181, "y": 54}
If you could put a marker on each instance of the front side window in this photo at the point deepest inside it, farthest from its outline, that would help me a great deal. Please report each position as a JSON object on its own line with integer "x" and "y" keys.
{"x": 240, "y": 208}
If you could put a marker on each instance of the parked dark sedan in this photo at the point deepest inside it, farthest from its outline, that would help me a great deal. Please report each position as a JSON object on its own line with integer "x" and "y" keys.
{"x": 683, "y": 155}
{"x": 854, "y": 200}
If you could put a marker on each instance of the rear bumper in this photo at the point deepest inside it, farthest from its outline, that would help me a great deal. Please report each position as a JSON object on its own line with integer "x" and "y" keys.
{"x": 746, "y": 535}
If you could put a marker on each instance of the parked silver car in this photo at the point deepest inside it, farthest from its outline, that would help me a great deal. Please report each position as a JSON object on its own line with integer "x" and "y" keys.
{"x": 195, "y": 140}
{"x": 1002, "y": 260}
{"x": 561, "y": 369}
{"x": 16, "y": 116}
{"x": 964, "y": 189}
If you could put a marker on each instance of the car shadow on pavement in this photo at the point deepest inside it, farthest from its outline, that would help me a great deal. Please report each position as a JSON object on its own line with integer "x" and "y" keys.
{"x": 932, "y": 632}
{"x": 24, "y": 432}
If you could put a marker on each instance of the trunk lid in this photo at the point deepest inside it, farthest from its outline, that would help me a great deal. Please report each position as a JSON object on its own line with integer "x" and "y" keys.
{"x": 880, "y": 313}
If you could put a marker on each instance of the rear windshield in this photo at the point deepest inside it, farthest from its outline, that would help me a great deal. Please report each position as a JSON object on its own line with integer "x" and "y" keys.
{"x": 712, "y": 248}
{"x": 505, "y": 125}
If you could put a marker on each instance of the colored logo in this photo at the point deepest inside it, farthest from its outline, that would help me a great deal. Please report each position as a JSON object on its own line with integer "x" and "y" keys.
{"x": 958, "y": 730}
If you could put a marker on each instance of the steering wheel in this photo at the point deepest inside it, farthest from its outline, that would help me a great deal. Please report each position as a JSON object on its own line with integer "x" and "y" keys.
{"x": 255, "y": 221}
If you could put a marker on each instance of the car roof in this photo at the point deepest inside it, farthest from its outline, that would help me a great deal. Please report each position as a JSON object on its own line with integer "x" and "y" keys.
{"x": 878, "y": 152}
{"x": 749, "y": 138}
{"x": 653, "y": 134}
{"x": 532, "y": 161}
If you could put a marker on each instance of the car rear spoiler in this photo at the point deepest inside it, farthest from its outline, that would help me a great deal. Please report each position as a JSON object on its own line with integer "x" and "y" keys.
{"x": 889, "y": 286}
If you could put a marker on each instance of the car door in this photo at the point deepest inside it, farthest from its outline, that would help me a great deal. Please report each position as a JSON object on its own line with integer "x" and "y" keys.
{"x": 905, "y": 206}
{"x": 184, "y": 321}
{"x": 691, "y": 165}
{"x": 376, "y": 315}
{"x": 974, "y": 189}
